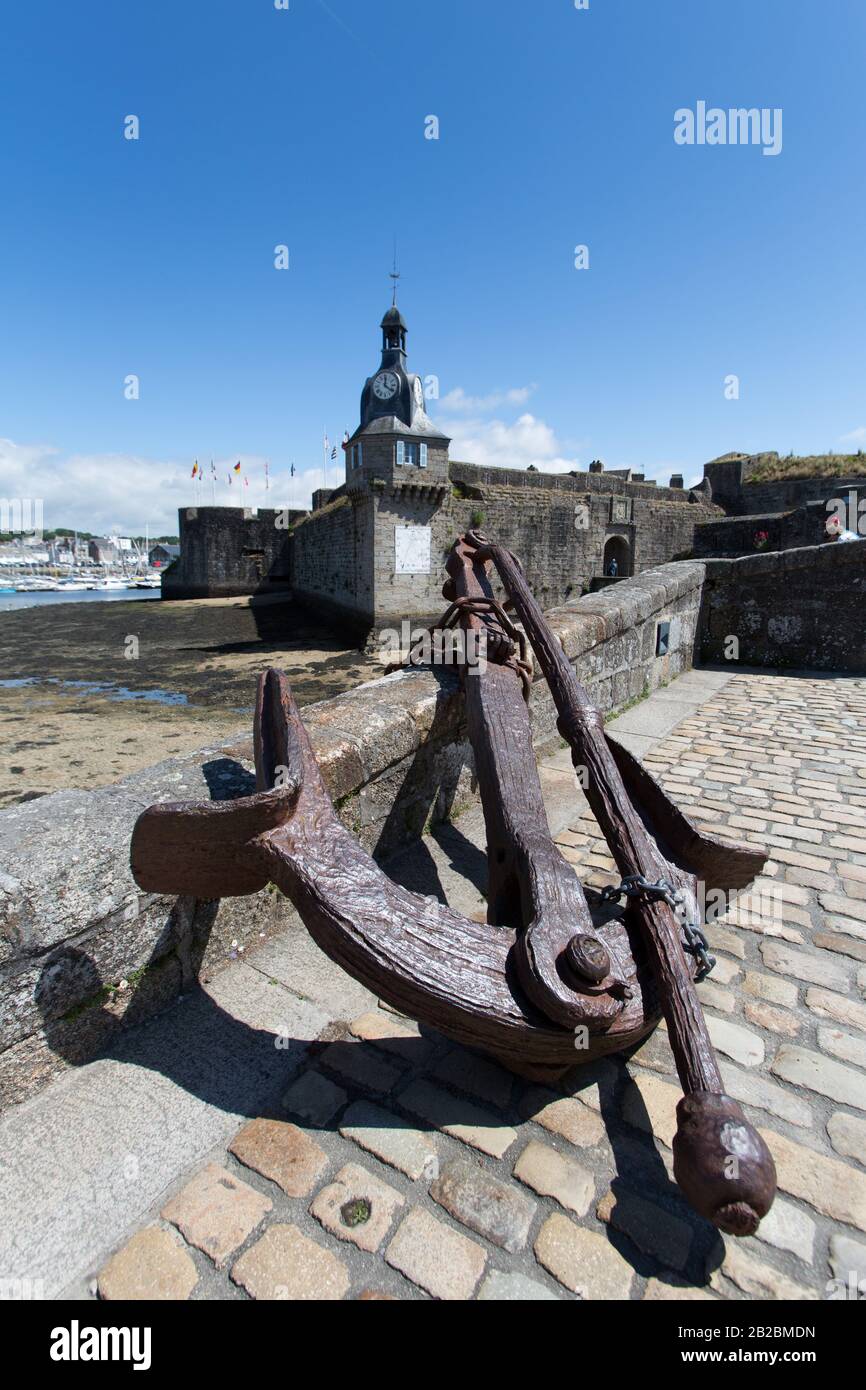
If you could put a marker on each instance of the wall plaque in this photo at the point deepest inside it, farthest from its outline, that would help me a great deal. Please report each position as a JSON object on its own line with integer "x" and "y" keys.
{"x": 412, "y": 549}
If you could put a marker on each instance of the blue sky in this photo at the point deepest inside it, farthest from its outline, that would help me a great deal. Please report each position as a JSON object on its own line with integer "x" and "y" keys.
{"x": 306, "y": 127}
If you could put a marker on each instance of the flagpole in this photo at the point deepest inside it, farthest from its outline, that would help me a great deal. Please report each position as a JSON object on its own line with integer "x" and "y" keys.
{"x": 212, "y": 483}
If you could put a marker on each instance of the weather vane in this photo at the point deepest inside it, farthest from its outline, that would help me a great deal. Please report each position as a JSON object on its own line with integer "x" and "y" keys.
{"x": 394, "y": 274}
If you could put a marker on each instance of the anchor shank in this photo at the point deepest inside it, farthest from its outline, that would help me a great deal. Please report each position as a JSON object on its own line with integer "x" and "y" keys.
{"x": 531, "y": 888}
{"x": 720, "y": 1160}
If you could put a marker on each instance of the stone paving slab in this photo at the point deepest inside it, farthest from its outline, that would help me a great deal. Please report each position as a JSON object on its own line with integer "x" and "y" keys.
{"x": 303, "y": 1091}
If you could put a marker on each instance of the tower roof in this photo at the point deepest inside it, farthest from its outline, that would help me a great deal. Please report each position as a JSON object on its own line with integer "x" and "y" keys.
{"x": 393, "y": 317}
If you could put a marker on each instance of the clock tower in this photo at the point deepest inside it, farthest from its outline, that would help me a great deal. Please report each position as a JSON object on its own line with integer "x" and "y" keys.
{"x": 396, "y": 440}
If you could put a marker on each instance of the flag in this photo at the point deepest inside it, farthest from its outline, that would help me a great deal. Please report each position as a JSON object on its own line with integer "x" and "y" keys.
{"x": 237, "y": 468}
{"x": 345, "y": 436}
{"x": 334, "y": 452}
{"x": 213, "y": 471}
{"x": 292, "y": 471}
{"x": 246, "y": 482}
{"x": 229, "y": 476}
{"x": 195, "y": 469}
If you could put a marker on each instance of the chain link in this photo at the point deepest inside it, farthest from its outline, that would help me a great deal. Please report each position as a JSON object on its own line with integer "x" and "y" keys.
{"x": 510, "y": 649}
{"x": 695, "y": 944}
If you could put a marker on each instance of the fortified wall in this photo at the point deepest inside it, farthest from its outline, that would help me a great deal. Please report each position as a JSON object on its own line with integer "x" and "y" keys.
{"x": 229, "y": 551}
{"x": 786, "y": 501}
{"x": 755, "y": 484}
{"x": 739, "y": 535}
{"x": 371, "y": 553}
{"x": 374, "y": 554}
{"x": 798, "y": 608}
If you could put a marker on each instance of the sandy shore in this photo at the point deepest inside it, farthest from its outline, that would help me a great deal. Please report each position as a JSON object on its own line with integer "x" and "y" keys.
{"x": 77, "y": 711}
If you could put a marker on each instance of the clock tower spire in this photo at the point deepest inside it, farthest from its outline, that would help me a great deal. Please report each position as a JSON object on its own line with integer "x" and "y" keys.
{"x": 394, "y": 332}
{"x": 395, "y": 430}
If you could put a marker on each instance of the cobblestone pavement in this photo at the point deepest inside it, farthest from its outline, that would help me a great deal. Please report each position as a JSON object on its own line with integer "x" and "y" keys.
{"x": 401, "y": 1167}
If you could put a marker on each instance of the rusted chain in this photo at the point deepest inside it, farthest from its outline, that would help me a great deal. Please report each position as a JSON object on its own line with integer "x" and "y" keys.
{"x": 505, "y": 640}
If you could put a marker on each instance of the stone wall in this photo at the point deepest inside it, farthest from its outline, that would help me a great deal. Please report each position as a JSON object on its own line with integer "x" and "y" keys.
{"x": 558, "y": 526}
{"x": 340, "y": 559}
{"x": 471, "y": 475}
{"x": 417, "y": 596}
{"x": 229, "y": 551}
{"x": 794, "y": 608}
{"x": 332, "y": 555}
{"x": 735, "y": 535}
{"x": 786, "y": 493}
{"x": 738, "y": 486}
{"x": 84, "y": 954}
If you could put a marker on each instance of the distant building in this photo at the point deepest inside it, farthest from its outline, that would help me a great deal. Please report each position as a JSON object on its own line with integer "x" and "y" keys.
{"x": 162, "y": 554}
{"x": 103, "y": 550}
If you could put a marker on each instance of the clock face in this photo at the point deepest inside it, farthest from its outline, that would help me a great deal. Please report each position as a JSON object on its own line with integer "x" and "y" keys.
{"x": 386, "y": 385}
{"x": 419, "y": 393}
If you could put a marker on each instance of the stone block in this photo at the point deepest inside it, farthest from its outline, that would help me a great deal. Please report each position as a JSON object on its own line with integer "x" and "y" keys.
{"x": 285, "y": 1265}
{"x": 282, "y": 1153}
{"x": 391, "y": 1139}
{"x": 552, "y": 1174}
{"x": 152, "y": 1266}
{"x": 439, "y": 1260}
{"x": 216, "y": 1212}
{"x": 314, "y": 1098}
{"x": 582, "y": 1261}
{"x": 357, "y": 1207}
{"x": 496, "y": 1210}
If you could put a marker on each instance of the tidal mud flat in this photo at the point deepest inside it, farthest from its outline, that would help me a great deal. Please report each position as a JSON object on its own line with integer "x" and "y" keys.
{"x": 91, "y": 692}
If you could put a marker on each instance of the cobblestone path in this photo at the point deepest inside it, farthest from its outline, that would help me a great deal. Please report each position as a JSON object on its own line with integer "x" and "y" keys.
{"x": 398, "y": 1166}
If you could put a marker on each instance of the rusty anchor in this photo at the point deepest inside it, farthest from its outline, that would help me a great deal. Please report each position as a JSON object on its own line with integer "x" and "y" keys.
{"x": 539, "y": 986}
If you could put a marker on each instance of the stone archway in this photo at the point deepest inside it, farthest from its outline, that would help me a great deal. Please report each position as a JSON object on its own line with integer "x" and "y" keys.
{"x": 617, "y": 548}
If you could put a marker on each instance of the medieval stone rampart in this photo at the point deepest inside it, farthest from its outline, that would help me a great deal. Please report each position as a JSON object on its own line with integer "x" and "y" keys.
{"x": 564, "y": 530}
{"x": 230, "y": 551}
{"x": 792, "y": 608}
{"x": 745, "y": 486}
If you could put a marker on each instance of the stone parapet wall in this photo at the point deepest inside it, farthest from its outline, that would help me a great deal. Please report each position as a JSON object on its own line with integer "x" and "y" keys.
{"x": 793, "y": 608}
{"x": 786, "y": 493}
{"x": 735, "y": 535}
{"x": 559, "y": 534}
{"x": 83, "y": 953}
{"x": 472, "y": 474}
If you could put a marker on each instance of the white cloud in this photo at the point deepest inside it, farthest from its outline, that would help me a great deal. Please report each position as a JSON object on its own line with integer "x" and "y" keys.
{"x": 122, "y": 494}
{"x": 495, "y": 444}
{"x": 458, "y": 401}
{"x": 857, "y": 436}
